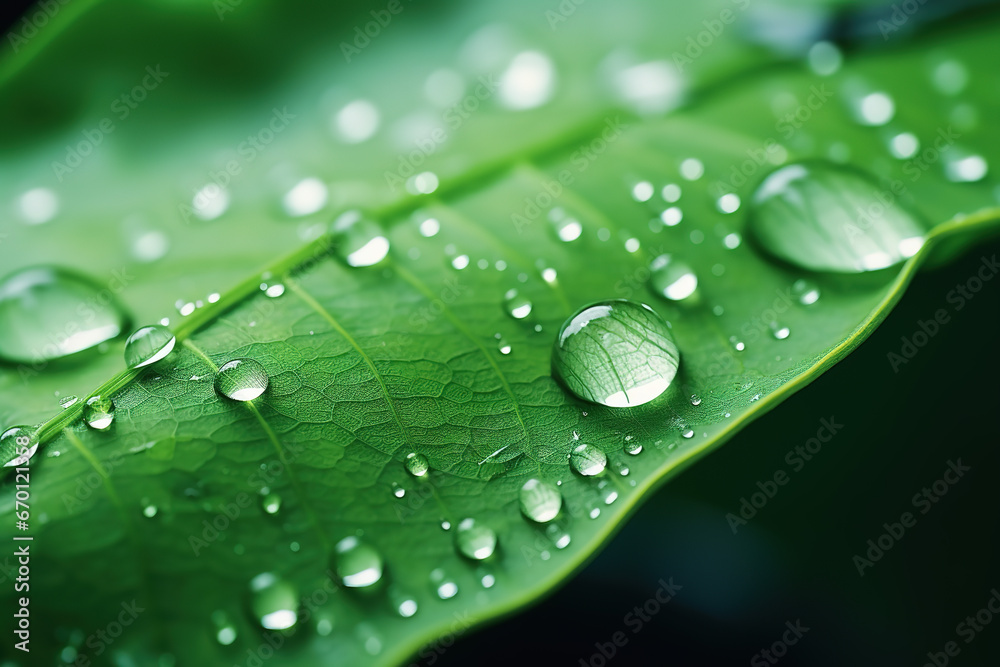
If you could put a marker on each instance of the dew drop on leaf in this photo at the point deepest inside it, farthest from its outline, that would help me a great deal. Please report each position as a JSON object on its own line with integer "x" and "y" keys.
{"x": 359, "y": 565}
{"x": 540, "y": 501}
{"x": 672, "y": 278}
{"x": 588, "y": 460}
{"x": 805, "y": 291}
{"x": 99, "y": 413}
{"x": 475, "y": 540}
{"x": 632, "y": 446}
{"x": 41, "y": 315}
{"x": 443, "y": 584}
{"x": 359, "y": 240}
{"x": 148, "y": 345}
{"x": 241, "y": 380}
{"x": 821, "y": 216}
{"x": 17, "y": 445}
{"x": 617, "y": 353}
{"x": 274, "y": 602}
{"x": 68, "y": 401}
{"x": 225, "y": 628}
{"x": 416, "y": 464}
{"x": 270, "y": 503}
{"x": 516, "y": 305}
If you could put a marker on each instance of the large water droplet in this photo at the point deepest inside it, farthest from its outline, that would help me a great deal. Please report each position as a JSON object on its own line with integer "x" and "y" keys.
{"x": 588, "y": 460}
{"x": 826, "y": 217}
{"x": 416, "y": 464}
{"x": 17, "y": 445}
{"x": 358, "y": 564}
{"x": 241, "y": 380}
{"x": 540, "y": 501}
{"x": 672, "y": 278}
{"x": 274, "y": 602}
{"x": 48, "y": 313}
{"x": 99, "y": 413}
{"x": 617, "y": 353}
{"x": 475, "y": 540}
{"x": 359, "y": 240}
{"x": 148, "y": 345}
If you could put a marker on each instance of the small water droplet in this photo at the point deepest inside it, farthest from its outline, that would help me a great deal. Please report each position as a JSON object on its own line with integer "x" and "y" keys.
{"x": 806, "y": 291}
{"x": 356, "y": 122}
{"x": 416, "y": 464}
{"x": 274, "y": 291}
{"x": 38, "y": 205}
{"x": 270, "y": 503}
{"x": 48, "y": 313}
{"x": 475, "y": 540}
{"x": 443, "y": 585}
{"x": 241, "y": 380}
{"x": 950, "y": 77}
{"x": 540, "y": 501}
{"x": 623, "y": 470}
{"x": 460, "y": 262}
{"x": 824, "y": 58}
{"x": 148, "y": 345}
{"x": 617, "y": 353}
{"x": 359, "y": 240}
{"x": 274, "y": 602}
{"x": 671, "y": 193}
{"x": 588, "y": 460}
{"x": 430, "y": 227}
{"x": 732, "y": 241}
{"x": 68, "y": 401}
{"x": 306, "y": 197}
{"x": 827, "y": 217}
{"x": 398, "y": 491}
{"x": 961, "y": 166}
{"x": 728, "y": 203}
{"x": 692, "y": 169}
{"x": 225, "y": 629}
{"x": 779, "y": 331}
{"x": 672, "y": 278}
{"x": 595, "y": 512}
{"x": 687, "y": 433}
{"x": 560, "y": 538}
{"x": 488, "y": 581}
{"x": 874, "y": 109}
{"x": 17, "y": 445}
{"x": 210, "y": 202}
{"x": 405, "y": 604}
{"x": 904, "y": 145}
{"x": 528, "y": 81}
{"x": 503, "y": 345}
{"x": 642, "y": 191}
{"x": 446, "y": 525}
{"x": 632, "y": 447}
{"x": 566, "y": 226}
{"x": 516, "y": 305}
{"x": 695, "y": 400}
{"x": 423, "y": 183}
{"x": 738, "y": 345}
{"x": 359, "y": 565}
{"x": 99, "y": 413}
{"x": 149, "y": 510}
{"x": 672, "y": 216}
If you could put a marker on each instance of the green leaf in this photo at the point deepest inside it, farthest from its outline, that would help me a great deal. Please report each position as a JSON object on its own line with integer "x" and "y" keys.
{"x": 190, "y": 496}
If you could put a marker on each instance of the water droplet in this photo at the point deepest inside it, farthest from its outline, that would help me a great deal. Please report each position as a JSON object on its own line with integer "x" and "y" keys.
{"x": 430, "y": 227}
{"x": 358, "y": 564}
{"x": 274, "y": 602}
{"x": 488, "y": 581}
{"x": 416, "y": 464}
{"x": 528, "y": 81}
{"x": 632, "y": 447}
{"x": 540, "y": 501}
{"x": 692, "y": 169}
{"x": 99, "y": 413}
{"x": 642, "y": 191}
{"x": 274, "y": 291}
{"x": 17, "y": 445}
{"x": 826, "y": 217}
{"x": 732, "y": 241}
{"x": 305, "y": 198}
{"x": 904, "y": 145}
{"x": 225, "y": 629}
{"x": 503, "y": 345}
{"x": 588, "y": 460}
{"x": 148, "y": 345}
{"x": 460, "y": 262}
{"x": 475, "y": 540}
{"x": 779, "y": 331}
{"x": 356, "y": 122}
{"x": 423, "y": 183}
{"x": 728, "y": 203}
{"x": 48, "y": 313}
{"x": 444, "y": 586}
{"x": 398, "y": 491}
{"x": 950, "y": 77}
{"x": 595, "y": 512}
{"x": 738, "y": 345}
{"x": 359, "y": 240}
{"x": 567, "y": 227}
{"x": 824, "y": 58}
{"x": 617, "y": 353}
{"x": 672, "y": 278}
{"x": 270, "y": 503}
{"x": 405, "y": 605}
{"x": 38, "y": 205}
{"x": 672, "y": 216}
{"x": 961, "y": 166}
{"x": 560, "y": 538}
{"x": 695, "y": 400}
{"x": 874, "y": 109}
{"x": 623, "y": 470}
{"x": 210, "y": 202}
{"x": 671, "y": 193}
{"x": 806, "y": 291}
{"x": 516, "y": 305}
{"x": 149, "y": 510}
{"x": 67, "y": 401}
{"x": 446, "y": 525}
{"x": 241, "y": 380}
{"x": 687, "y": 433}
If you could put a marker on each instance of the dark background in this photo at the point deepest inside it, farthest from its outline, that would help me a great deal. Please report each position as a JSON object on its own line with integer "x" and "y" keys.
{"x": 793, "y": 561}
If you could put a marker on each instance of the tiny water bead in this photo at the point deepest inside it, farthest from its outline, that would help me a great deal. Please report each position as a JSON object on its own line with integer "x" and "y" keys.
{"x": 516, "y": 305}
{"x": 359, "y": 565}
{"x": 68, "y": 401}
{"x": 398, "y": 491}
{"x": 632, "y": 447}
{"x": 274, "y": 602}
{"x": 270, "y": 503}
{"x": 444, "y": 586}
{"x": 672, "y": 278}
{"x": 241, "y": 380}
{"x": 588, "y": 460}
{"x": 17, "y": 445}
{"x": 779, "y": 331}
{"x": 99, "y": 413}
{"x": 148, "y": 345}
{"x": 805, "y": 291}
{"x": 540, "y": 501}
{"x": 617, "y": 353}
{"x": 822, "y": 216}
{"x": 416, "y": 464}
{"x": 49, "y": 313}
{"x": 566, "y": 226}
{"x": 225, "y": 629}
{"x": 475, "y": 540}
{"x": 359, "y": 240}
